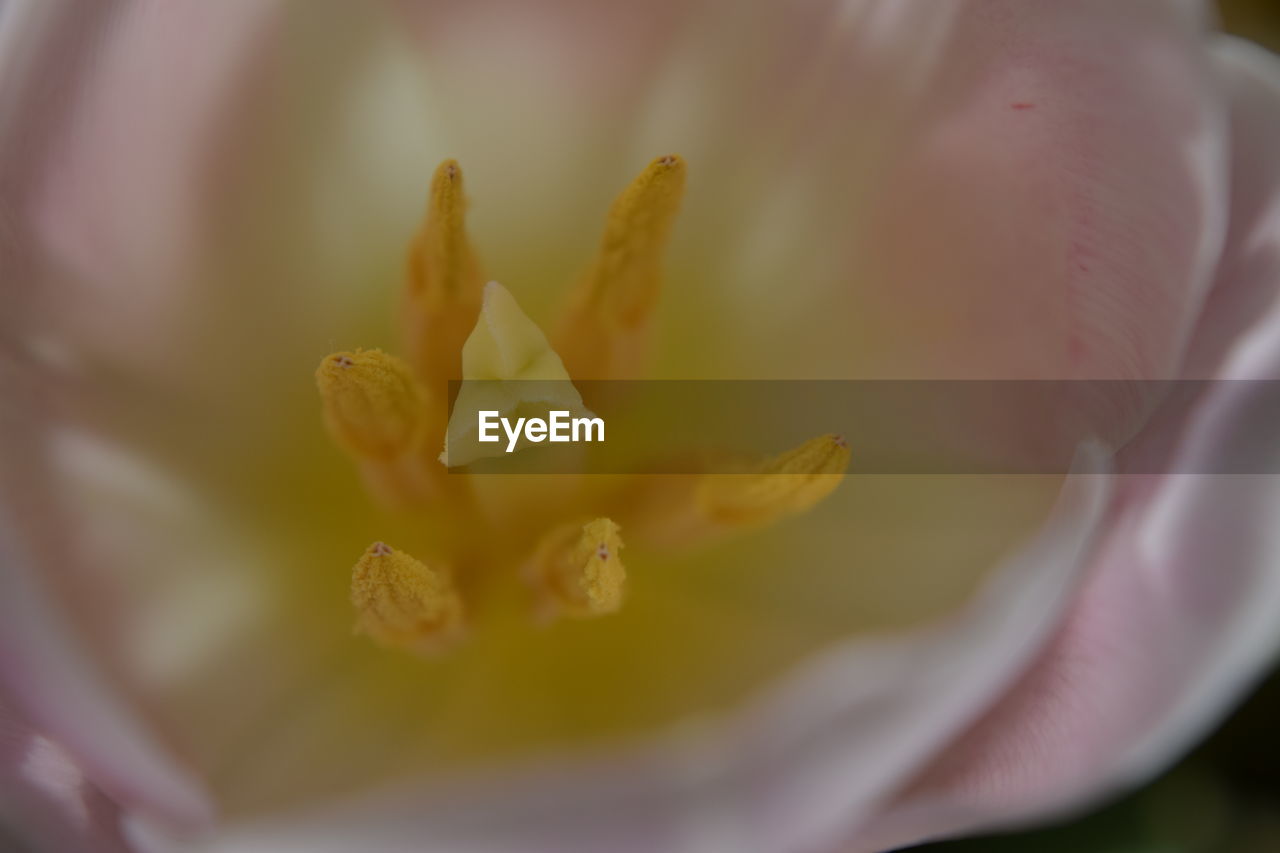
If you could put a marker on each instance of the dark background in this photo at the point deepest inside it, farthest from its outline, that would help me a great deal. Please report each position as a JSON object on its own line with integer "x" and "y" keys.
{"x": 1225, "y": 796}
{"x": 1255, "y": 19}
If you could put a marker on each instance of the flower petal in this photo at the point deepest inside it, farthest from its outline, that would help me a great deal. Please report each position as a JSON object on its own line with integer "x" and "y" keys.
{"x": 1178, "y": 619}
{"x": 111, "y": 121}
{"x": 119, "y": 122}
{"x": 52, "y": 679}
{"x": 45, "y": 801}
{"x": 1047, "y": 204}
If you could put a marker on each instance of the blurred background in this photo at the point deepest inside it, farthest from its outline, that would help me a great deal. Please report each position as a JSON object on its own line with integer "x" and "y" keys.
{"x": 1225, "y": 796}
{"x": 1255, "y": 19}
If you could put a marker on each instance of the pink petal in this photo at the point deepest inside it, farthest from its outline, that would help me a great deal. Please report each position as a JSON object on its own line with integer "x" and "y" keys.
{"x": 1178, "y": 619}
{"x": 110, "y": 123}
{"x": 1053, "y": 207}
{"x": 1056, "y": 211}
{"x": 120, "y": 125}
{"x": 52, "y": 679}
{"x": 45, "y": 801}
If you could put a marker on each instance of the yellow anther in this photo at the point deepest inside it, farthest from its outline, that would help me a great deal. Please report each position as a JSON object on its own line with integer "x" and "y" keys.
{"x": 508, "y": 367}
{"x": 402, "y": 603}
{"x": 442, "y": 297}
{"x": 788, "y": 484}
{"x": 624, "y": 280}
{"x": 372, "y": 403}
{"x": 604, "y": 330}
{"x": 577, "y": 570}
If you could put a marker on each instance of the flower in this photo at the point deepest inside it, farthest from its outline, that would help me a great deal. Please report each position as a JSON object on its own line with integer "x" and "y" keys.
{"x": 203, "y": 202}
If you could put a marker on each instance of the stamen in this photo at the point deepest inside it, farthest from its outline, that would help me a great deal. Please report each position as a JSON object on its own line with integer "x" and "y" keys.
{"x": 604, "y": 330}
{"x": 788, "y": 484}
{"x": 372, "y": 404}
{"x": 401, "y": 603}
{"x": 576, "y": 570}
{"x": 442, "y": 297}
{"x": 506, "y": 345}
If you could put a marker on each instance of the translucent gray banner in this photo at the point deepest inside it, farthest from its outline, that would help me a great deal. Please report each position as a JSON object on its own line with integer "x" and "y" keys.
{"x": 891, "y": 427}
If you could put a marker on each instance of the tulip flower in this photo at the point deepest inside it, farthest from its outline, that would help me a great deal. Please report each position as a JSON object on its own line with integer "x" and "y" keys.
{"x": 245, "y": 607}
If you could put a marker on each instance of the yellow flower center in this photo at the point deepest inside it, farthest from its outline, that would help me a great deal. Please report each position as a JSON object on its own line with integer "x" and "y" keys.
{"x": 390, "y": 415}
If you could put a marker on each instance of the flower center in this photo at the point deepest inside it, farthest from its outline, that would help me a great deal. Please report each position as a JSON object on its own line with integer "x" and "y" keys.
{"x": 391, "y": 416}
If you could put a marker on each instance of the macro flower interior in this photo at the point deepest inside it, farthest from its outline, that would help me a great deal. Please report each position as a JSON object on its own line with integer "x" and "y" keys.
{"x": 245, "y": 604}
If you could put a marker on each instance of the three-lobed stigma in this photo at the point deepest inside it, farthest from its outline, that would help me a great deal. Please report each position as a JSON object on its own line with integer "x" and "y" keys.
{"x": 507, "y": 365}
